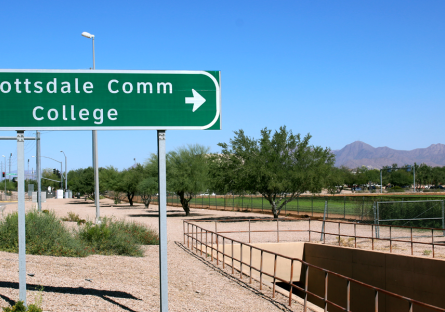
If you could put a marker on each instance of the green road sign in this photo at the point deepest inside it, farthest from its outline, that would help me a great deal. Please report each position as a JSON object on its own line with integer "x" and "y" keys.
{"x": 109, "y": 100}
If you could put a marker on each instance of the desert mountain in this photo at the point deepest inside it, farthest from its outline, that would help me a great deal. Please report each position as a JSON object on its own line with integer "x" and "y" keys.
{"x": 359, "y": 154}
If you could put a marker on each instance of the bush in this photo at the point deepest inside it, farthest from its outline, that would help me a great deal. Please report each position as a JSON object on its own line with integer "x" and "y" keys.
{"x": 20, "y": 307}
{"x": 45, "y": 235}
{"x": 74, "y": 218}
{"x": 395, "y": 189}
{"x": 117, "y": 237}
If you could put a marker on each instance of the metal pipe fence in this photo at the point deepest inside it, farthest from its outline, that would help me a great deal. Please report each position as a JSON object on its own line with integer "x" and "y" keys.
{"x": 193, "y": 239}
{"x": 422, "y": 233}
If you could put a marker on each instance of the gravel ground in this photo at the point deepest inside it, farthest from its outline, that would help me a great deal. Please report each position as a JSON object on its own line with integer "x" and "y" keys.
{"x": 115, "y": 283}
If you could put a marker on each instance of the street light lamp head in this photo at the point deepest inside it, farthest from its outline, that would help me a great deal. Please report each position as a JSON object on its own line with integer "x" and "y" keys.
{"x": 87, "y": 35}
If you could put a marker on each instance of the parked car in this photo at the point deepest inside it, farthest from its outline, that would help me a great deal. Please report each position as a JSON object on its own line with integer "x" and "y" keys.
{"x": 437, "y": 187}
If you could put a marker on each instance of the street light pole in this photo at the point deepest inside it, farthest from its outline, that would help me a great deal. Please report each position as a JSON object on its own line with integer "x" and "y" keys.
{"x": 95, "y": 154}
{"x": 61, "y": 178}
{"x": 66, "y": 177}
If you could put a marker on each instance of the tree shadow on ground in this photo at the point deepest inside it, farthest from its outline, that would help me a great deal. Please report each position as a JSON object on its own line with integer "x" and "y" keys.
{"x": 104, "y": 294}
{"x": 128, "y": 207}
{"x": 117, "y": 206}
{"x": 88, "y": 202}
{"x": 170, "y": 213}
{"x": 8, "y": 300}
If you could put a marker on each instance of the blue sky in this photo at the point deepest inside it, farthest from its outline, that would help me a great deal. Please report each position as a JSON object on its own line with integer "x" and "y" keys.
{"x": 340, "y": 70}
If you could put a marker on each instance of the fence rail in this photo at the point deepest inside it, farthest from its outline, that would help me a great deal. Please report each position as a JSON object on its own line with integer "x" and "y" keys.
{"x": 193, "y": 237}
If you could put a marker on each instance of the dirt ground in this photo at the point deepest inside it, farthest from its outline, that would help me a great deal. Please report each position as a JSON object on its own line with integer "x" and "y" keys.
{"x": 115, "y": 283}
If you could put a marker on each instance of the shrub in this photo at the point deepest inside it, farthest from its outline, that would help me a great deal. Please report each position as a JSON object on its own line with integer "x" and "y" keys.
{"x": 395, "y": 189}
{"x": 74, "y": 218}
{"x": 20, "y": 307}
{"x": 117, "y": 237}
{"x": 45, "y": 235}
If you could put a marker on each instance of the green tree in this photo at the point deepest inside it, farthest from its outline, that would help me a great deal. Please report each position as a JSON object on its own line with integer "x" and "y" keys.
{"x": 274, "y": 166}
{"x": 110, "y": 178}
{"x": 438, "y": 175}
{"x": 187, "y": 173}
{"x": 81, "y": 180}
{"x": 147, "y": 188}
{"x": 349, "y": 177}
{"x": 423, "y": 174}
{"x": 334, "y": 181}
{"x": 130, "y": 180}
{"x": 401, "y": 178}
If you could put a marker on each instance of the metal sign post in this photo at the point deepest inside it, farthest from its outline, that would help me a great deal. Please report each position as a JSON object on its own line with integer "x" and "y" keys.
{"x": 39, "y": 173}
{"x": 21, "y": 212}
{"x": 162, "y": 185}
{"x": 96, "y": 177}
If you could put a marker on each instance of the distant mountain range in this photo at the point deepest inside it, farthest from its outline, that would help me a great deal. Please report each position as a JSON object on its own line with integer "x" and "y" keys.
{"x": 359, "y": 154}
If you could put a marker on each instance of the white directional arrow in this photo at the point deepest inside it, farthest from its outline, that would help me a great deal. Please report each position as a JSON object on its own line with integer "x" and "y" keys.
{"x": 197, "y": 100}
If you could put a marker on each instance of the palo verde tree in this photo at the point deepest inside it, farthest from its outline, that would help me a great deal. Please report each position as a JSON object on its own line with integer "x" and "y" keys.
{"x": 82, "y": 181}
{"x": 130, "y": 180}
{"x": 147, "y": 188}
{"x": 335, "y": 180}
{"x": 110, "y": 178}
{"x": 280, "y": 166}
{"x": 187, "y": 173}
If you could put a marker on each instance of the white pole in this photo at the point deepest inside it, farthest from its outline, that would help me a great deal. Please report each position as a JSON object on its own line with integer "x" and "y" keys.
{"x": 21, "y": 212}
{"x": 5, "y": 177}
{"x": 163, "y": 272}
{"x": 96, "y": 161}
{"x": 66, "y": 176}
{"x": 39, "y": 173}
{"x": 96, "y": 176}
